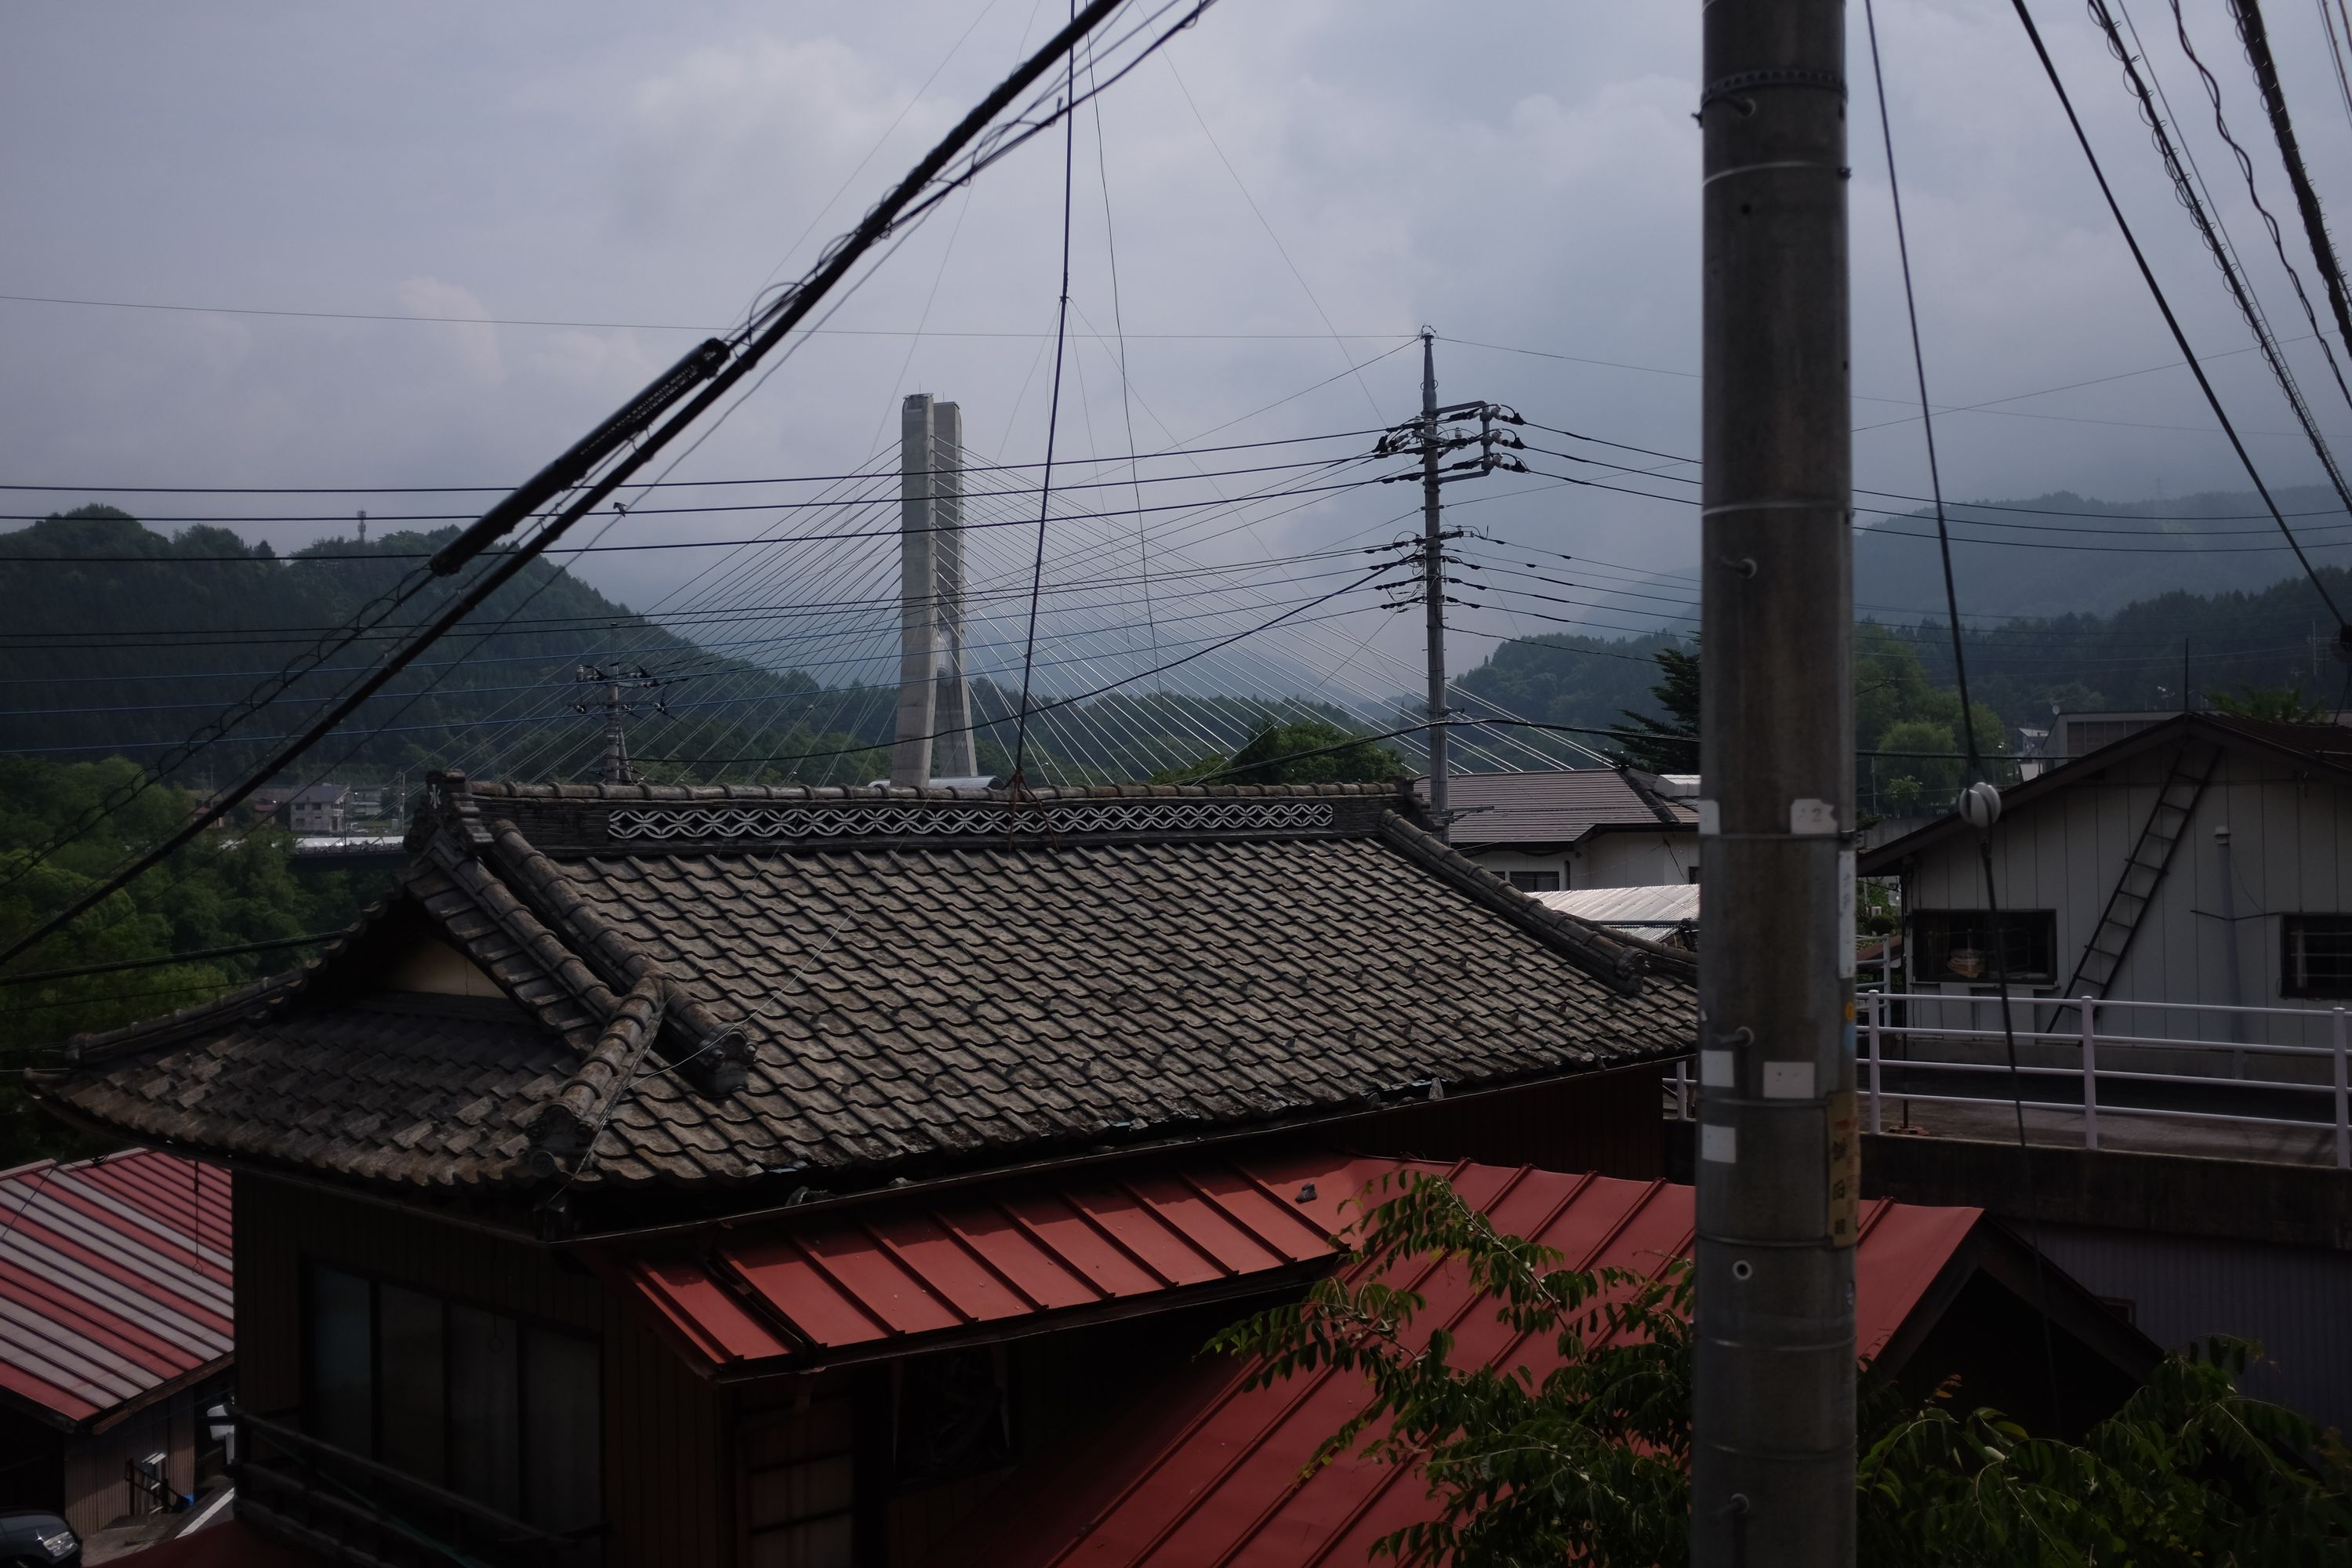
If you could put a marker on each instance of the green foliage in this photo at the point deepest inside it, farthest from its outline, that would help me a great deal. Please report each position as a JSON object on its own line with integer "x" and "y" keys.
{"x": 2279, "y": 704}
{"x": 227, "y": 889}
{"x": 1590, "y": 1463}
{"x": 1668, "y": 745}
{"x": 1272, "y": 755}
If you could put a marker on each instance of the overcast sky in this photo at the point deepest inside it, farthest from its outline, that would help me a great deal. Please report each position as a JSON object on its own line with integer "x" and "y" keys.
{"x": 1517, "y": 175}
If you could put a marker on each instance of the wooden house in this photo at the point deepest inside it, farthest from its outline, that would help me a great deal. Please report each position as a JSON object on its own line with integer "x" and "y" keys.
{"x": 764, "y": 1176}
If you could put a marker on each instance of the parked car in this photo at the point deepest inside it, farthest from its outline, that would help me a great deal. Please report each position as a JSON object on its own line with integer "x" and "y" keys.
{"x": 31, "y": 1540}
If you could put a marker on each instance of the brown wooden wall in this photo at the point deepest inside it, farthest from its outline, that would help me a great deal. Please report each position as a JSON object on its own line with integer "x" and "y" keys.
{"x": 1610, "y": 1121}
{"x": 667, "y": 1467}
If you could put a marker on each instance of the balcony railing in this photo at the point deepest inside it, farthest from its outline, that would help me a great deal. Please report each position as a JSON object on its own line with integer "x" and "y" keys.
{"x": 352, "y": 1510}
{"x": 1913, "y": 1048}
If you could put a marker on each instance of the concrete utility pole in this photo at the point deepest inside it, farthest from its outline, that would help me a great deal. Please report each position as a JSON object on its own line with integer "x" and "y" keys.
{"x": 934, "y": 735}
{"x": 1434, "y": 582}
{"x": 1773, "y": 1418}
{"x": 615, "y": 709}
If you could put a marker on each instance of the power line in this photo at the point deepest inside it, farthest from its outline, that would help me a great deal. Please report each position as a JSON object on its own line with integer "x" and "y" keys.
{"x": 2255, "y": 36}
{"x": 197, "y": 955}
{"x": 2156, "y": 291}
{"x": 768, "y": 327}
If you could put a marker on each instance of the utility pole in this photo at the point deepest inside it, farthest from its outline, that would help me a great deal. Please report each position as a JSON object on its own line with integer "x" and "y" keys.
{"x": 1772, "y": 1422}
{"x": 615, "y": 707}
{"x": 1424, "y": 437}
{"x": 1433, "y": 545}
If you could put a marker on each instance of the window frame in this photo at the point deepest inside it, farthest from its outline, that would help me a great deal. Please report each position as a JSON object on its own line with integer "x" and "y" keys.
{"x": 2290, "y": 927}
{"x": 308, "y": 1266}
{"x": 2041, "y": 924}
{"x": 1534, "y": 876}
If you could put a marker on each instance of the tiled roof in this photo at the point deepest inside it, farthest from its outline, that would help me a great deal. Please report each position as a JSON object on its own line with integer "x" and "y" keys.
{"x": 1557, "y": 805}
{"x": 716, "y": 986}
{"x": 114, "y": 1282}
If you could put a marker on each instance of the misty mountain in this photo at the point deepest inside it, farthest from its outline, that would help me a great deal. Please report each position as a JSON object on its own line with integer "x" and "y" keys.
{"x": 2055, "y": 554}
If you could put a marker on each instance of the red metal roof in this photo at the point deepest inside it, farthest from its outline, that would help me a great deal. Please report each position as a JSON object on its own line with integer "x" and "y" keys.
{"x": 114, "y": 1280}
{"x": 1209, "y": 1473}
{"x": 998, "y": 1260}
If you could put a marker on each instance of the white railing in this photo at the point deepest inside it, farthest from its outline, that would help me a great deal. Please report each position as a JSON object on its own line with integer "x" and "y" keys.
{"x": 1928, "y": 1049}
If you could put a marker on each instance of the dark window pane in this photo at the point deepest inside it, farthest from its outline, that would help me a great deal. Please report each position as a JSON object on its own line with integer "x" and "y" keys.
{"x": 952, "y": 1415}
{"x": 561, "y": 1443}
{"x": 1956, "y": 946}
{"x": 484, "y": 1382}
{"x": 409, "y": 1348}
{"x": 338, "y": 1387}
{"x": 2317, "y": 953}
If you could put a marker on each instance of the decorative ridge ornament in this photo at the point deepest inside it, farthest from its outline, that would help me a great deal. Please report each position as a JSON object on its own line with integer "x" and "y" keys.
{"x": 913, "y": 821}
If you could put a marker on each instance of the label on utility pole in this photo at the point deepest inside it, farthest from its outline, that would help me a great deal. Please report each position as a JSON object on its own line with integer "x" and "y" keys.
{"x": 1846, "y": 1169}
{"x": 1845, "y": 914}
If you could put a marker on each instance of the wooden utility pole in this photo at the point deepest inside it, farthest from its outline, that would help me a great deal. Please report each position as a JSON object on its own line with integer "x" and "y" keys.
{"x": 1773, "y": 1416}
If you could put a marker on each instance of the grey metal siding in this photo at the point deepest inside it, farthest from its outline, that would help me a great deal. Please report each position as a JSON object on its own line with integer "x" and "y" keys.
{"x": 2297, "y": 1301}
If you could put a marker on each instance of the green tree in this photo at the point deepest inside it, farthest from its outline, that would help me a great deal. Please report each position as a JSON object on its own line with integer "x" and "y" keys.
{"x": 229, "y": 887}
{"x": 1589, "y": 1462}
{"x": 2279, "y": 704}
{"x": 1306, "y": 751}
{"x": 1667, "y": 745}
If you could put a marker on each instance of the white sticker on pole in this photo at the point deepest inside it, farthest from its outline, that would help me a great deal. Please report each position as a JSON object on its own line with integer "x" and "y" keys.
{"x": 1813, "y": 817}
{"x": 1788, "y": 1081}
{"x": 1711, "y": 818}
{"x": 1720, "y": 1144}
{"x": 1845, "y": 914}
{"x": 1715, "y": 1070}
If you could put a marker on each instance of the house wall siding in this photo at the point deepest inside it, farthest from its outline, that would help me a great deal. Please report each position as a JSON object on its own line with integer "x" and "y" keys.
{"x": 668, "y": 1471}
{"x": 2182, "y": 1289}
{"x": 1635, "y": 860}
{"x": 2292, "y": 851}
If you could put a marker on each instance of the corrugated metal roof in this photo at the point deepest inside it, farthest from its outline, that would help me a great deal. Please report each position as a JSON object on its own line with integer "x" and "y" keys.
{"x": 1557, "y": 805}
{"x": 115, "y": 1280}
{"x": 1668, "y": 904}
{"x": 995, "y": 1260}
{"x": 1212, "y": 1474}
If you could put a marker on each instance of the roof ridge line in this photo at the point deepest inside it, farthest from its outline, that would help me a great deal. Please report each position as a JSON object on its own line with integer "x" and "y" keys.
{"x": 720, "y": 1051}
{"x": 566, "y": 1129}
{"x": 1612, "y": 961}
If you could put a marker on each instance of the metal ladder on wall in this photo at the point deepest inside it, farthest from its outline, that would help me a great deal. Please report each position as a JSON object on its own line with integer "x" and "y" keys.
{"x": 2143, "y": 872}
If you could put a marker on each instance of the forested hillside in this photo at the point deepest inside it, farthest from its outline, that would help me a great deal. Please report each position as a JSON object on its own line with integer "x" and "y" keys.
{"x": 128, "y": 653}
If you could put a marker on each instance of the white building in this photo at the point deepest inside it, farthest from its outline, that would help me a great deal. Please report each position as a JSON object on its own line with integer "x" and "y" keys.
{"x": 2197, "y": 860}
{"x": 1574, "y": 827}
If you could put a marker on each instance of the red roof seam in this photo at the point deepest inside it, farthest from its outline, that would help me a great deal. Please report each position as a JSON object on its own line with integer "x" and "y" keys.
{"x": 1045, "y": 1245}
{"x": 1231, "y": 1212}
{"x": 37, "y": 1296}
{"x": 1266, "y": 1515}
{"x": 1242, "y": 1452}
{"x": 919, "y": 1275}
{"x": 37, "y": 1233}
{"x": 848, "y": 1292}
{"x": 1134, "y": 1255}
{"x": 1152, "y": 1207}
{"x": 979, "y": 1255}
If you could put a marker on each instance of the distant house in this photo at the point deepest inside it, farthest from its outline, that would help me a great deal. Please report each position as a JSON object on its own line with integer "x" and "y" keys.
{"x": 117, "y": 1324}
{"x": 314, "y": 808}
{"x": 1563, "y": 828}
{"x": 765, "y": 1176}
{"x": 2198, "y": 860}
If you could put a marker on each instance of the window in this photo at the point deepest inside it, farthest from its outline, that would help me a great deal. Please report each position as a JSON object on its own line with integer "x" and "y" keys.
{"x": 953, "y": 1416}
{"x": 1955, "y": 946}
{"x": 1535, "y": 881}
{"x": 502, "y": 1411}
{"x": 2315, "y": 954}
{"x": 798, "y": 1469}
